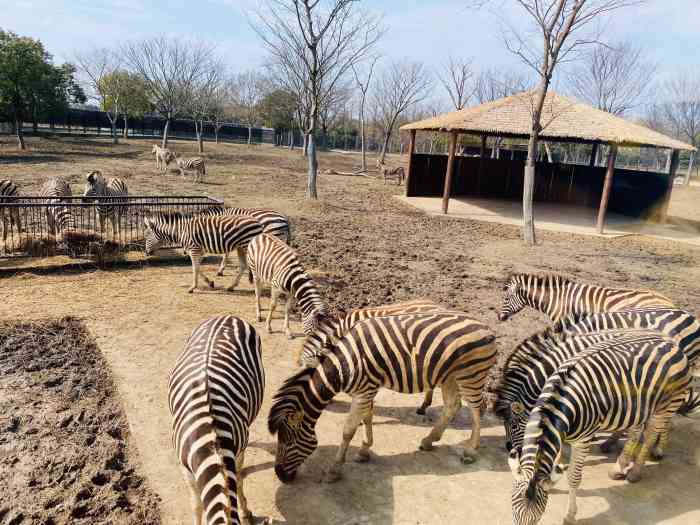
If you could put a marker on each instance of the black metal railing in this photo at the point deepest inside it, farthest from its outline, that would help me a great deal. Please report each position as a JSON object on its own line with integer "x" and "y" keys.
{"x": 26, "y": 223}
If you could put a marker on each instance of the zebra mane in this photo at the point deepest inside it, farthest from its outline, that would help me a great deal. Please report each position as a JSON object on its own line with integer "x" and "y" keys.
{"x": 542, "y": 278}
{"x": 168, "y": 216}
{"x": 289, "y": 398}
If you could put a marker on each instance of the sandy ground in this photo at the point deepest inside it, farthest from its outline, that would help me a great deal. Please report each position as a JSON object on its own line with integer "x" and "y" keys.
{"x": 365, "y": 248}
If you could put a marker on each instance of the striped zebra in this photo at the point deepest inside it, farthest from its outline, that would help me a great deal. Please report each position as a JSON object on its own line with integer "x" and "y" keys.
{"x": 199, "y": 235}
{"x": 97, "y": 186}
{"x": 636, "y": 382}
{"x": 163, "y": 157}
{"x": 58, "y": 218}
{"x": 328, "y": 333}
{"x": 214, "y": 394}
{"x": 557, "y": 296}
{"x": 272, "y": 262}
{"x": 271, "y": 221}
{"x": 194, "y": 164}
{"x": 9, "y": 215}
{"x": 532, "y": 362}
{"x": 405, "y": 353}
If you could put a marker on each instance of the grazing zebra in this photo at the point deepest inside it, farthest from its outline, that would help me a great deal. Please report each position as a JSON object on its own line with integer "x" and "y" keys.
{"x": 97, "y": 186}
{"x": 195, "y": 164}
{"x": 163, "y": 157}
{"x": 634, "y": 382}
{"x": 58, "y": 218}
{"x": 214, "y": 394}
{"x": 271, "y": 221}
{"x": 272, "y": 262}
{"x": 328, "y": 333}
{"x": 527, "y": 368}
{"x": 556, "y": 296}
{"x": 405, "y": 353}
{"x": 9, "y": 189}
{"x": 199, "y": 235}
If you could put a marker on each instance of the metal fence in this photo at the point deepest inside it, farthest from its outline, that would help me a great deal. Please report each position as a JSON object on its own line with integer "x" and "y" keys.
{"x": 26, "y": 224}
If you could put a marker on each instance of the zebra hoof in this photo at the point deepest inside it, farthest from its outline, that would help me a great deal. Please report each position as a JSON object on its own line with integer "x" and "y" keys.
{"x": 290, "y": 335}
{"x": 191, "y": 290}
{"x": 468, "y": 456}
{"x": 420, "y": 411}
{"x": 569, "y": 521}
{"x": 657, "y": 455}
{"x": 211, "y": 284}
{"x": 332, "y": 475}
{"x": 426, "y": 445}
{"x": 634, "y": 475}
{"x": 616, "y": 475}
{"x": 220, "y": 274}
{"x": 362, "y": 456}
{"x": 230, "y": 288}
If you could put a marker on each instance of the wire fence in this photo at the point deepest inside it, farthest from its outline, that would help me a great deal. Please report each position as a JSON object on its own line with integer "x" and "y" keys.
{"x": 84, "y": 227}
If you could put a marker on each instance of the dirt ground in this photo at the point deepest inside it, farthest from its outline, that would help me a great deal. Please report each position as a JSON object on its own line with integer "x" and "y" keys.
{"x": 63, "y": 433}
{"x": 364, "y": 247}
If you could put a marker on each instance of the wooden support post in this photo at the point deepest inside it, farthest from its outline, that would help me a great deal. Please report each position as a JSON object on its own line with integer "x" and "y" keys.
{"x": 690, "y": 168}
{"x": 482, "y": 156}
{"x": 411, "y": 150}
{"x": 594, "y": 155}
{"x": 607, "y": 187}
{"x": 672, "y": 170}
{"x": 450, "y": 169}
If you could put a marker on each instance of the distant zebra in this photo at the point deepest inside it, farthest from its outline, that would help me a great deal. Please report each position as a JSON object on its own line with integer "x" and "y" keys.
{"x": 58, "y": 218}
{"x": 405, "y": 353}
{"x": 527, "y": 368}
{"x": 271, "y": 221}
{"x": 9, "y": 216}
{"x": 199, "y": 235}
{"x": 272, "y": 262}
{"x": 328, "y": 333}
{"x": 391, "y": 173}
{"x": 163, "y": 157}
{"x": 195, "y": 164}
{"x": 97, "y": 186}
{"x": 630, "y": 383}
{"x": 556, "y": 296}
{"x": 214, "y": 394}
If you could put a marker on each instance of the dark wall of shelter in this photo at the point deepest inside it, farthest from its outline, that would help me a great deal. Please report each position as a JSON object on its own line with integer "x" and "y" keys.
{"x": 634, "y": 193}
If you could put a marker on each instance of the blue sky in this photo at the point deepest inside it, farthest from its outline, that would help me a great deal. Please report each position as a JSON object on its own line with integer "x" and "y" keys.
{"x": 418, "y": 29}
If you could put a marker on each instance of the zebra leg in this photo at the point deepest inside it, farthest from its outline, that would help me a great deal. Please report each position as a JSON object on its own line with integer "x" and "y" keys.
{"x": 242, "y": 269}
{"x": 657, "y": 426}
{"x": 451, "y": 402}
{"x": 4, "y": 230}
{"x": 197, "y": 271}
{"x": 51, "y": 223}
{"x": 288, "y": 308}
{"x": 274, "y": 294}
{"x": 246, "y": 516}
{"x": 658, "y": 449}
{"x": 427, "y": 401}
{"x": 362, "y": 455}
{"x": 625, "y": 460}
{"x": 578, "y": 457}
{"x": 258, "y": 292}
{"x": 360, "y": 407}
{"x": 222, "y": 266}
{"x": 197, "y": 507}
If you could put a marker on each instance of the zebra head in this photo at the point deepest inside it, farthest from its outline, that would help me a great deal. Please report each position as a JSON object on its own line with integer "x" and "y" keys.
{"x": 154, "y": 234}
{"x": 530, "y": 491}
{"x": 154, "y": 149}
{"x": 94, "y": 184}
{"x": 514, "y": 418}
{"x": 318, "y": 343}
{"x": 290, "y": 419}
{"x": 514, "y": 299}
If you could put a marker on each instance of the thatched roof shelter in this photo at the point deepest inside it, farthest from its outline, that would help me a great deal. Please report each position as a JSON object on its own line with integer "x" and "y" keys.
{"x": 563, "y": 120}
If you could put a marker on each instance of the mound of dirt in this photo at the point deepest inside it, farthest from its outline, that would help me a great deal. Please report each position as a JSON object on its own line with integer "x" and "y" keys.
{"x": 64, "y": 455}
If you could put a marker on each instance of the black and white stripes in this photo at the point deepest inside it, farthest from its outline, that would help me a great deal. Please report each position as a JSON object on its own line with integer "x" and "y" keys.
{"x": 214, "y": 394}
{"x": 194, "y": 164}
{"x": 9, "y": 215}
{"x": 163, "y": 157}
{"x": 97, "y": 186}
{"x": 59, "y": 218}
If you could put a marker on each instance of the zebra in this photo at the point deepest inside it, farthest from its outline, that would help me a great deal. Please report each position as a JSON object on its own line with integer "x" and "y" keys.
{"x": 527, "y": 368}
{"x": 195, "y": 164}
{"x": 214, "y": 394}
{"x": 199, "y": 235}
{"x": 557, "y": 296}
{"x": 329, "y": 332}
{"x": 163, "y": 157}
{"x": 8, "y": 195}
{"x": 97, "y": 186}
{"x": 273, "y": 262}
{"x": 56, "y": 191}
{"x": 391, "y": 173}
{"x": 635, "y": 382}
{"x": 405, "y": 353}
{"x": 271, "y": 221}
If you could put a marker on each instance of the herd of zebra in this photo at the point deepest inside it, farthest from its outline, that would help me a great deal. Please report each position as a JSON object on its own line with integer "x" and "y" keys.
{"x": 615, "y": 361}
{"x": 164, "y": 157}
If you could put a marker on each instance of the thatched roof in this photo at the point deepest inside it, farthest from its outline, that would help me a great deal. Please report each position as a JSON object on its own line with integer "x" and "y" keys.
{"x": 563, "y": 119}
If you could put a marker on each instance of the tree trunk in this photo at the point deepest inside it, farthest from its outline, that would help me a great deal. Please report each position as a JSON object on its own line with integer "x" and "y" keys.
{"x": 20, "y": 134}
{"x": 35, "y": 125}
{"x": 362, "y": 133}
{"x": 311, "y": 192}
{"x": 126, "y": 127}
{"x": 200, "y": 133}
{"x": 387, "y": 138}
{"x": 529, "y": 182}
{"x": 691, "y": 161}
{"x": 250, "y": 135}
{"x": 216, "y": 132}
{"x": 165, "y": 132}
{"x": 113, "y": 122}
{"x": 305, "y": 145}
{"x": 548, "y": 150}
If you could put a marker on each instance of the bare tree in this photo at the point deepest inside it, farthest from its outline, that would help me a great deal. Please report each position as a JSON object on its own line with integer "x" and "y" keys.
{"x": 99, "y": 67}
{"x": 222, "y": 107}
{"x": 326, "y": 37}
{"x": 456, "y": 78}
{"x": 558, "y": 31}
{"x": 613, "y": 78}
{"x": 363, "y": 81}
{"x": 201, "y": 99}
{"x": 248, "y": 89}
{"x": 681, "y": 109}
{"x": 491, "y": 85}
{"x": 171, "y": 67}
{"x": 402, "y": 85}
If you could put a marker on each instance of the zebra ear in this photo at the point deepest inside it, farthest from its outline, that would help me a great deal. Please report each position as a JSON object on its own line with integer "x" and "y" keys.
{"x": 517, "y": 408}
{"x": 91, "y": 177}
{"x": 514, "y": 463}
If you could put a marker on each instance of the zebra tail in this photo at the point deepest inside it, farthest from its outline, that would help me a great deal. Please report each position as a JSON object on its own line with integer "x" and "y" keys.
{"x": 289, "y": 233}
